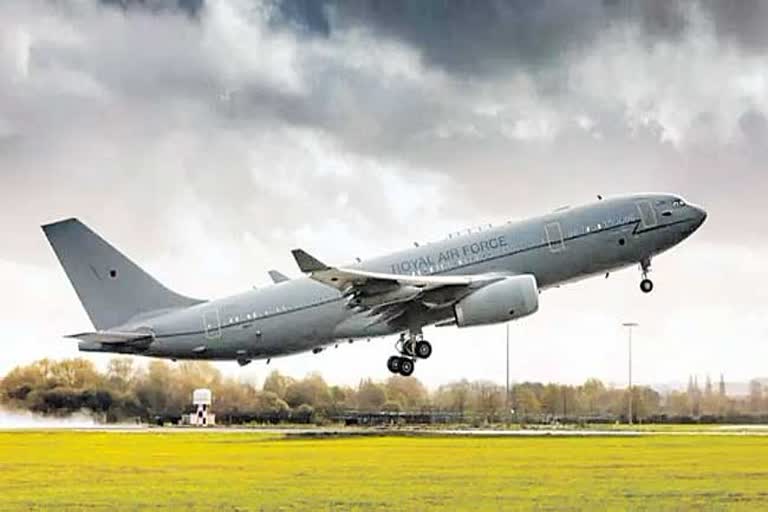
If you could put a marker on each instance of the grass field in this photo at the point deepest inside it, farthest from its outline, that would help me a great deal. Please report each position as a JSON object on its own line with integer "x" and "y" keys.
{"x": 65, "y": 470}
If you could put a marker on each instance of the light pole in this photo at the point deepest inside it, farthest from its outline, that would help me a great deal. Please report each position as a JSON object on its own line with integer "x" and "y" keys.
{"x": 506, "y": 397}
{"x": 629, "y": 326}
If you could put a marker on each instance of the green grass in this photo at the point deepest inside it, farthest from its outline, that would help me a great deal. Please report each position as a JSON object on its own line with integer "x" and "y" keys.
{"x": 250, "y": 471}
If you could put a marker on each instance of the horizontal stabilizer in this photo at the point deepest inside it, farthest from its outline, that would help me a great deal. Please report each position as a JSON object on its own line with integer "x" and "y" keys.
{"x": 112, "y": 337}
{"x": 307, "y": 262}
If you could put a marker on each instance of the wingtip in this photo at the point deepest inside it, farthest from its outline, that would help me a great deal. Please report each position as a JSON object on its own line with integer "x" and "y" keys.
{"x": 56, "y": 223}
{"x": 277, "y": 277}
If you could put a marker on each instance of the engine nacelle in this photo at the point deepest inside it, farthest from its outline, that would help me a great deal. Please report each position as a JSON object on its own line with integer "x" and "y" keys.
{"x": 511, "y": 298}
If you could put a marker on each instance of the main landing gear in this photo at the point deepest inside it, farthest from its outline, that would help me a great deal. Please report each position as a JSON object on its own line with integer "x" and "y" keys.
{"x": 646, "y": 285}
{"x": 410, "y": 349}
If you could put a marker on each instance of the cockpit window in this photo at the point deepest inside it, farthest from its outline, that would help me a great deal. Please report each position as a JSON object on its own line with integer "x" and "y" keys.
{"x": 678, "y": 203}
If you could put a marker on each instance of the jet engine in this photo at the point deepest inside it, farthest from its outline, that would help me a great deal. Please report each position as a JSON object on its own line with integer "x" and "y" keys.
{"x": 511, "y": 298}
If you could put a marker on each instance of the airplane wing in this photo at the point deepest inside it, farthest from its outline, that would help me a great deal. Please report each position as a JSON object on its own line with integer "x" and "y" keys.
{"x": 278, "y": 277}
{"x": 341, "y": 278}
{"x": 380, "y": 291}
{"x": 113, "y": 337}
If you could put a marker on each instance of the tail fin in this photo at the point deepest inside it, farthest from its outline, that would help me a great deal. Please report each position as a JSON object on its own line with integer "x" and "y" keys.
{"x": 111, "y": 287}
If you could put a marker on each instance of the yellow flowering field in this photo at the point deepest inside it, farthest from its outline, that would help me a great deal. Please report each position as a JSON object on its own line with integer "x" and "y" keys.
{"x": 165, "y": 470}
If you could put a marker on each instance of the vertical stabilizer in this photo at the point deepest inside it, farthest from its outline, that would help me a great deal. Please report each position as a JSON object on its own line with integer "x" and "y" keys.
{"x": 111, "y": 287}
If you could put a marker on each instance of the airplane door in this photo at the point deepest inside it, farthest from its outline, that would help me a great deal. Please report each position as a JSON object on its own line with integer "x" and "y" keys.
{"x": 647, "y": 214}
{"x": 212, "y": 324}
{"x": 554, "y": 235}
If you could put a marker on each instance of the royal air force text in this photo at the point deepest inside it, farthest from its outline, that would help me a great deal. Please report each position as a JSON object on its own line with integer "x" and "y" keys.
{"x": 450, "y": 257}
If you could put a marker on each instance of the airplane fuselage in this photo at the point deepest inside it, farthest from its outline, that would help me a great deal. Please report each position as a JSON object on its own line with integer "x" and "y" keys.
{"x": 302, "y": 314}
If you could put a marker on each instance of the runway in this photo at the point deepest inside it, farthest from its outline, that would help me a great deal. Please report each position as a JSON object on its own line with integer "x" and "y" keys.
{"x": 330, "y": 432}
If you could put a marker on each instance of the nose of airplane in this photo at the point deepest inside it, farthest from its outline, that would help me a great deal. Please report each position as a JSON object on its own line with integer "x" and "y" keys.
{"x": 701, "y": 215}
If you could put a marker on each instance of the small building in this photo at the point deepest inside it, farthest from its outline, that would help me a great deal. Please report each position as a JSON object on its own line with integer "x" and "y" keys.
{"x": 202, "y": 417}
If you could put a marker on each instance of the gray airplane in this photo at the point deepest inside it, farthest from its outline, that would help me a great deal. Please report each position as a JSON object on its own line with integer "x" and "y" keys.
{"x": 476, "y": 278}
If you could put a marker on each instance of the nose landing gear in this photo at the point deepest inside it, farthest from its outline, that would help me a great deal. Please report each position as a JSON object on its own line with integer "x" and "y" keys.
{"x": 410, "y": 349}
{"x": 646, "y": 285}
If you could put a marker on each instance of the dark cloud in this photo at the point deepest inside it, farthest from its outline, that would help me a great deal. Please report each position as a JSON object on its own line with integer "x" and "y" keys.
{"x": 502, "y": 108}
{"x": 497, "y": 37}
{"x": 487, "y": 37}
{"x": 742, "y": 22}
{"x": 191, "y": 6}
{"x": 492, "y": 36}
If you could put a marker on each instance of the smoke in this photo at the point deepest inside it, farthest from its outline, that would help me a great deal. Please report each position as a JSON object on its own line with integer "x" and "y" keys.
{"x": 25, "y": 420}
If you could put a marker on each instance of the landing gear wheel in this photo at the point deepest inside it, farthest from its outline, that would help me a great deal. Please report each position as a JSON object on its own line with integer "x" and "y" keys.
{"x": 646, "y": 285}
{"x": 406, "y": 367}
{"x": 393, "y": 364}
{"x": 423, "y": 349}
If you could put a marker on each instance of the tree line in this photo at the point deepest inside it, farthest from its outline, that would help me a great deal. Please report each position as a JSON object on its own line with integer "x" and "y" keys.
{"x": 127, "y": 391}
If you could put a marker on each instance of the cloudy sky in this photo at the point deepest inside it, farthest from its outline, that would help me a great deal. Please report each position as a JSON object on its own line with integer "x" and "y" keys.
{"x": 207, "y": 138}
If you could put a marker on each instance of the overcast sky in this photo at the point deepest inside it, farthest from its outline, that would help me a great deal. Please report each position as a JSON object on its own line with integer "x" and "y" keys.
{"x": 207, "y": 138}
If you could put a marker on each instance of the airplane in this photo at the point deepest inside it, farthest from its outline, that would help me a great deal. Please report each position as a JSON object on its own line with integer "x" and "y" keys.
{"x": 478, "y": 278}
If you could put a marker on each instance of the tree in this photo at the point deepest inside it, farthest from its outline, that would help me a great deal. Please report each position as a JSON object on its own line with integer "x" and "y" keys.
{"x": 277, "y": 383}
{"x": 552, "y": 399}
{"x": 391, "y": 406}
{"x": 526, "y": 401}
{"x": 409, "y": 392}
{"x": 453, "y": 397}
{"x": 129, "y": 390}
{"x": 341, "y": 398}
{"x": 311, "y": 390}
{"x": 269, "y": 404}
{"x": 644, "y": 401}
{"x": 571, "y": 402}
{"x": 303, "y": 414}
{"x": 16, "y": 386}
{"x": 120, "y": 373}
{"x": 191, "y": 375}
{"x": 370, "y": 396}
{"x": 592, "y": 394}
{"x": 678, "y": 403}
{"x": 74, "y": 373}
{"x": 157, "y": 392}
{"x": 489, "y": 398}
{"x": 233, "y": 397}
